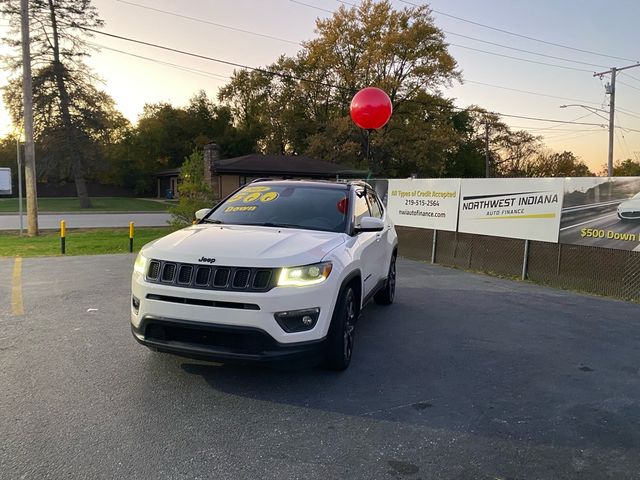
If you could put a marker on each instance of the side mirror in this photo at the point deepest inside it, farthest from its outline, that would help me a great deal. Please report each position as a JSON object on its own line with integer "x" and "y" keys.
{"x": 200, "y": 214}
{"x": 370, "y": 224}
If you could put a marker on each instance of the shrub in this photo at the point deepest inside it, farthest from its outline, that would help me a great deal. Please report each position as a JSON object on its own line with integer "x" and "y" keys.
{"x": 194, "y": 192}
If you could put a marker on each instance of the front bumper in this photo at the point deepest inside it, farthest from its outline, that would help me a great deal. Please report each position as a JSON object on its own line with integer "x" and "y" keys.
{"x": 226, "y": 343}
{"x": 629, "y": 214}
{"x": 236, "y": 308}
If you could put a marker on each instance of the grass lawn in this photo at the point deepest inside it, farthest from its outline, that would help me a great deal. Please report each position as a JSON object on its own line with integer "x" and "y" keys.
{"x": 78, "y": 242}
{"x": 109, "y": 204}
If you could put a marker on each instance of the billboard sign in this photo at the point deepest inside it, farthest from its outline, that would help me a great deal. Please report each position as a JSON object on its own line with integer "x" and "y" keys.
{"x": 527, "y": 208}
{"x": 5, "y": 181}
{"x": 601, "y": 212}
{"x": 424, "y": 203}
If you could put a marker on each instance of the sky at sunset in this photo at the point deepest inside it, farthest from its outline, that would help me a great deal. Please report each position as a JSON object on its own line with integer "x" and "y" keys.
{"x": 605, "y": 27}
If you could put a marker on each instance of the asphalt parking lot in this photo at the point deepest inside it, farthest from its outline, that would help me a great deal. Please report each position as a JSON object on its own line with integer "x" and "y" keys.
{"x": 464, "y": 377}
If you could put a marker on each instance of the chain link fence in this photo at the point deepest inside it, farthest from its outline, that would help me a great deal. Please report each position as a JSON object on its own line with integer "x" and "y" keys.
{"x": 602, "y": 271}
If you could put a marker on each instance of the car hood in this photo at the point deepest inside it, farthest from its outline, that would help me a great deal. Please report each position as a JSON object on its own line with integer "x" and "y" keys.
{"x": 633, "y": 204}
{"x": 244, "y": 246}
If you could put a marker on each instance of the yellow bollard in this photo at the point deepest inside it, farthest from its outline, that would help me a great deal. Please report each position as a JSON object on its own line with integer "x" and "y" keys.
{"x": 130, "y": 237}
{"x": 63, "y": 233}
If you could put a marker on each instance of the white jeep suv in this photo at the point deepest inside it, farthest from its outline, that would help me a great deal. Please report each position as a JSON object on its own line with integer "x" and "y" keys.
{"x": 277, "y": 271}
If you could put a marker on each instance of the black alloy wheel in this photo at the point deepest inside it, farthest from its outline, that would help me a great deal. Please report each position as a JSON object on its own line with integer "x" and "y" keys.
{"x": 388, "y": 292}
{"x": 340, "y": 339}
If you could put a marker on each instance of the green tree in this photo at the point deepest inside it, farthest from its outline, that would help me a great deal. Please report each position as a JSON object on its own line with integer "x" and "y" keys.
{"x": 195, "y": 192}
{"x": 166, "y": 134}
{"x": 517, "y": 153}
{"x": 564, "y": 164}
{"x": 305, "y": 108}
{"x": 626, "y": 168}
{"x": 71, "y": 117}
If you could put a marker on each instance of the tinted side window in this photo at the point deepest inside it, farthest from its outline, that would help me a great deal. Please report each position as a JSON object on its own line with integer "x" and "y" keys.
{"x": 374, "y": 205}
{"x": 360, "y": 209}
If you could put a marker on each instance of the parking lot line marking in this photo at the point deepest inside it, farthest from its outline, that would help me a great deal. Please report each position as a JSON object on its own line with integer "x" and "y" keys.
{"x": 17, "y": 307}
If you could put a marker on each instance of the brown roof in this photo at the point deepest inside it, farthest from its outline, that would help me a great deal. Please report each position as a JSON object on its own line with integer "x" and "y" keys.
{"x": 279, "y": 164}
{"x": 257, "y": 164}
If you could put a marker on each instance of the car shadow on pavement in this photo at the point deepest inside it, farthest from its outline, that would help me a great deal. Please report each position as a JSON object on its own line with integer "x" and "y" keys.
{"x": 506, "y": 371}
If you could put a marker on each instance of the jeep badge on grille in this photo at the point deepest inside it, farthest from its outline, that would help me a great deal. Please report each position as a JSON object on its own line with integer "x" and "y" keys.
{"x": 207, "y": 260}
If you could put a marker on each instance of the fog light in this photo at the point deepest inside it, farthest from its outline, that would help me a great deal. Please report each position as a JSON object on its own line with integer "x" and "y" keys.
{"x": 135, "y": 303}
{"x": 298, "y": 320}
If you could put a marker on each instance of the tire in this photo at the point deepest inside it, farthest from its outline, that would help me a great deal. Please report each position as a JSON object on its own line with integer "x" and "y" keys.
{"x": 342, "y": 331}
{"x": 388, "y": 292}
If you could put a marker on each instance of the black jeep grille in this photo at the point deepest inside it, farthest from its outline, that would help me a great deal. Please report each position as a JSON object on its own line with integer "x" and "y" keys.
{"x": 168, "y": 272}
{"x": 154, "y": 270}
{"x": 203, "y": 274}
{"x": 221, "y": 278}
{"x": 240, "y": 278}
{"x": 211, "y": 277}
{"x": 184, "y": 277}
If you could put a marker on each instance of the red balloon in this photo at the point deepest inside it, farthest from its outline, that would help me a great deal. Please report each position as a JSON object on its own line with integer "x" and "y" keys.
{"x": 371, "y": 108}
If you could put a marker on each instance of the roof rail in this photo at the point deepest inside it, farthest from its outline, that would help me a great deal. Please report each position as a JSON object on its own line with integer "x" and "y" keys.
{"x": 263, "y": 179}
{"x": 360, "y": 183}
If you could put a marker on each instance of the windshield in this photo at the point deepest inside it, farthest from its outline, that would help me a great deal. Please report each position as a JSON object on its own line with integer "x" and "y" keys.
{"x": 289, "y": 206}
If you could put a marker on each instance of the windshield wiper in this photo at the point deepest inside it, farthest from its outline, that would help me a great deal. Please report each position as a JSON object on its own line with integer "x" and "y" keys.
{"x": 210, "y": 220}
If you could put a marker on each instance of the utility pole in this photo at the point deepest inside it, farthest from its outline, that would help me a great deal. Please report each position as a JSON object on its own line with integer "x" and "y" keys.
{"x": 486, "y": 148}
{"x": 19, "y": 183}
{"x": 612, "y": 110}
{"x": 29, "y": 148}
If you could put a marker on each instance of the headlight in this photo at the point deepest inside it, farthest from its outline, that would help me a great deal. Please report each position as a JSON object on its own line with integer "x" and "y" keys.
{"x": 141, "y": 264}
{"x": 304, "y": 276}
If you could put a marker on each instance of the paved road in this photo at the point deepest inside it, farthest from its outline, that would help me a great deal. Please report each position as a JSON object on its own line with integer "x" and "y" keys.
{"x": 465, "y": 377}
{"x": 88, "y": 220}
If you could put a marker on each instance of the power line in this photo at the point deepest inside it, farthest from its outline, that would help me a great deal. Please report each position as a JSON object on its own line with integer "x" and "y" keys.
{"x": 621, "y": 146}
{"x": 630, "y": 86}
{"x": 312, "y": 6}
{"x": 582, "y": 135}
{"x": 162, "y": 62}
{"x": 521, "y": 59}
{"x": 480, "y": 50}
{"x": 210, "y": 74}
{"x": 556, "y": 127}
{"x": 205, "y": 57}
{"x": 631, "y": 76}
{"x": 351, "y": 4}
{"x": 467, "y": 37}
{"x": 533, "y": 129}
{"x": 568, "y": 47}
{"x": 291, "y": 77}
{"x": 208, "y": 22}
{"x": 537, "y": 119}
{"x": 624, "y": 140}
{"x": 625, "y": 129}
{"x": 220, "y": 25}
{"x": 626, "y": 145}
{"x": 529, "y": 92}
{"x": 573, "y": 135}
{"x": 521, "y": 49}
{"x": 631, "y": 113}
